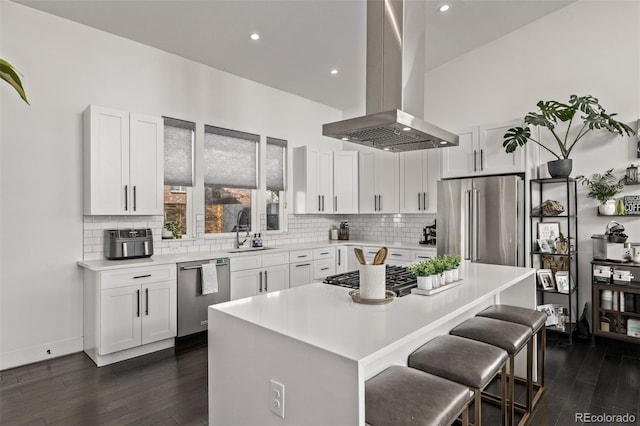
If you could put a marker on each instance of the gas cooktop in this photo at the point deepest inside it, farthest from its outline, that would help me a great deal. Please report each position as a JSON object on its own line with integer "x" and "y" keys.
{"x": 398, "y": 280}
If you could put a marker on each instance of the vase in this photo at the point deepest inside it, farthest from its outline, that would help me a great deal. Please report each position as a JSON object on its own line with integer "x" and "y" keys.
{"x": 608, "y": 208}
{"x": 456, "y": 274}
{"x": 425, "y": 283}
{"x": 448, "y": 276}
{"x": 561, "y": 247}
{"x": 560, "y": 168}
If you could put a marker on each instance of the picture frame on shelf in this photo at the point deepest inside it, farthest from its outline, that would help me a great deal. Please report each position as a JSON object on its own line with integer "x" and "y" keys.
{"x": 562, "y": 282}
{"x": 543, "y": 246}
{"x": 548, "y": 230}
{"x": 550, "y": 310}
{"x": 545, "y": 278}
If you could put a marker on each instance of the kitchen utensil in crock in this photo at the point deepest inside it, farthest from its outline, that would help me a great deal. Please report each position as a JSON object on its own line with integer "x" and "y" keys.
{"x": 380, "y": 256}
{"x": 360, "y": 256}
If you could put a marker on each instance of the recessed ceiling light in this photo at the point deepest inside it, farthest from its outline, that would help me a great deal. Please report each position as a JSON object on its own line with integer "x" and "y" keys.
{"x": 406, "y": 129}
{"x": 443, "y": 8}
{"x": 254, "y": 36}
{"x": 345, "y": 139}
{"x": 443, "y": 142}
{"x": 334, "y": 71}
{"x": 387, "y": 149}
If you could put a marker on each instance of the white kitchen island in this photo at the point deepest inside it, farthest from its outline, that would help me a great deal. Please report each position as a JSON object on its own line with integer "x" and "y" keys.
{"x": 322, "y": 346}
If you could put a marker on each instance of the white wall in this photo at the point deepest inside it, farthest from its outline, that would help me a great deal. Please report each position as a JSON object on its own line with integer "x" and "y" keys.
{"x": 588, "y": 47}
{"x": 67, "y": 66}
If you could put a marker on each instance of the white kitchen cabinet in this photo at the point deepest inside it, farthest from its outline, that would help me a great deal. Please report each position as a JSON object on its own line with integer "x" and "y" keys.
{"x": 273, "y": 275}
{"x": 300, "y": 273}
{"x": 395, "y": 256}
{"x": 312, "y": 180}
{"x": 419, "y": 174}
{"x": 323, "y": 268}
{"x": 129, "y": 312}
{"x": 419, "y": 255}
{"x": 123, "y": 163}
{"x": 345, "y": 182}
{"x": 378, "y": 182}
{"x": 480, "y": 152}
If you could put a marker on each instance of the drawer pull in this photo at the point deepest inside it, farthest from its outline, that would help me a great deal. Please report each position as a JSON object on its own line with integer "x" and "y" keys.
{"x": 396, "y": 254}
{"x": 324, "y": 269}
{"x": 142, "y": 276}
{"x": 324, "y": 253}
{"x": 303, "y": 264}
{"x": 302, "y": 255}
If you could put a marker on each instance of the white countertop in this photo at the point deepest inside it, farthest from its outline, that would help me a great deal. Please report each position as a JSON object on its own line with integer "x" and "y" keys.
{"x": 325, "y": 316}
{"x": 106, "y": 264}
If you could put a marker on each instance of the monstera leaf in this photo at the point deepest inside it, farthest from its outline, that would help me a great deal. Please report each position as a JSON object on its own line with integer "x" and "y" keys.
{"x": 10, "y": 75}
{"x": 550, "y": 113}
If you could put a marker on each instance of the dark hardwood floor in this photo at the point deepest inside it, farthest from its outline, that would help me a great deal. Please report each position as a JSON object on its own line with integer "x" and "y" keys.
{"x": 170, "y": 387}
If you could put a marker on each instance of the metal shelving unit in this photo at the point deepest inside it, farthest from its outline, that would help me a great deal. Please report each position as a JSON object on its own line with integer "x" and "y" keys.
{"x": 567, "y": 189}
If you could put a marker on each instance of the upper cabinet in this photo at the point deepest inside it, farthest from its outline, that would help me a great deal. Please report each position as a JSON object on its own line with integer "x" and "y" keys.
{"x": 419, "y": 174}
{"x": 312, "y": 180}
{"x": 123, "y": 163}
{"x": 379, "y": 181}
{"x": 480, "y": 152}
{"x": 345, "y": 182}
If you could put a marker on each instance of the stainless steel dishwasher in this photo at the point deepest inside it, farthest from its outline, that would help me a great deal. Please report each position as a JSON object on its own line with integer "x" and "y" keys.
{"x": 192, "y": 304}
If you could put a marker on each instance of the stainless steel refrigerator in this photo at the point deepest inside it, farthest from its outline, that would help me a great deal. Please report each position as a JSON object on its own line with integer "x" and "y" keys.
{"x": 482, "y": 219}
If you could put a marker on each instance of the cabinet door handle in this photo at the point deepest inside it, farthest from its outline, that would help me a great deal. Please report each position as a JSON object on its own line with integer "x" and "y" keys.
{"x": 380, "y": 202}
{"x": 126, "y": 198}
{"x": 475, "y": 153}
{"x": 146, "y": 301}
{"x": 424, "y": 201}
{"x": 335, "y": 203}
{"x": 266, "y": 281}
{"x": 323, "y": 203}
{"x": 319, "y": 204}
{"x": 339, "y": 257}
{"x": 260, "y": 281}
{"x": 138, "y": 297}
{"x": 482, "y": 159}
{"x": 418, "y": 201}
{"x": 134, "y": 198}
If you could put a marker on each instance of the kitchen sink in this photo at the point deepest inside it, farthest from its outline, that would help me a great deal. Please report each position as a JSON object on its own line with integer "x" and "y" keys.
{"x": 249, "y": 249}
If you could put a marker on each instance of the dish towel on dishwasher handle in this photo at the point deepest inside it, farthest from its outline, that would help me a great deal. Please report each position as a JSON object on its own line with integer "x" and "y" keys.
{"x": 209, "y": 278}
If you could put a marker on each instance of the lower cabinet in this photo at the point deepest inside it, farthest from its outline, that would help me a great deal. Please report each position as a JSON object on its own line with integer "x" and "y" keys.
{"x": 272, "y": 274}
{"x": 300, "y": 273}
{"x": 129, "y": 312}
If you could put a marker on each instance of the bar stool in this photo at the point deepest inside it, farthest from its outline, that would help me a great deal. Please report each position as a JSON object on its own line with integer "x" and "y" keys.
{"x": 406, "y": 396}
{"x": 468, "y": 362}
{"x": 536, "y": 320}
{"x": 505, "y": 335}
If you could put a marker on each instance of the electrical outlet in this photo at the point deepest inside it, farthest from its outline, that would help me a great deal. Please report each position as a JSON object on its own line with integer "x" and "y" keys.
{"x": 276, "y": 398}
{"x": 627, "y": 252}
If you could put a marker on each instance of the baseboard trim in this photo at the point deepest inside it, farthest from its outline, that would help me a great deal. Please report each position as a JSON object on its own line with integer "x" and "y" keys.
{"x": 40, "y": 353}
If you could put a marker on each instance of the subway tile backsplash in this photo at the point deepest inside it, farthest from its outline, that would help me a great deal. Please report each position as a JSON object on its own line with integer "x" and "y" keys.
{"x": 405, "y": 228}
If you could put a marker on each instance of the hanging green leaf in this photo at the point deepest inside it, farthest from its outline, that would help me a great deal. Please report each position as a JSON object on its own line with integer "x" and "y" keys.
{"x": 10, "y": 75}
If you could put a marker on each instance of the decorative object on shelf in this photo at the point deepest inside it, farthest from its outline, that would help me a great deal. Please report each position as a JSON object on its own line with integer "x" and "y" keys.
{"x": 9, "y": 74}
{"x": 543, "y": 246}
{"x": 550, "y": 310}
{"x": 631, "y": 204}
{"x": 603, "y": 187}
{"x": 548, "y": 208}
{"x": 548, "y": 230}
{"x": 562, "y": 281}
{"x": 555, "y": 263}
{"x": 615, "y": 233}
{"x": 175, "y": 228}
{"x": 632, "y": 175}
{"x": 550, "y": 114}
{"x": 545, "y": 278}
{"x": 562, "y": 244}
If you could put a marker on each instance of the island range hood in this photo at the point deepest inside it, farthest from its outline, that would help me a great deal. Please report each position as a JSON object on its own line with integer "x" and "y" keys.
{"x": 395, "y": 83}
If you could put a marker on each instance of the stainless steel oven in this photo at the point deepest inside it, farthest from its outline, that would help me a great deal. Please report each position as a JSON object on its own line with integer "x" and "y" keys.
{"x": 192, "y": 304}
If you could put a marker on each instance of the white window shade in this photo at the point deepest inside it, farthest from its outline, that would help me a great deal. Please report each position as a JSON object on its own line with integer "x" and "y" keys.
{"x": 230, "y": 158}
{"x": 178, "y": 152}
{"x": 276, "y": 164}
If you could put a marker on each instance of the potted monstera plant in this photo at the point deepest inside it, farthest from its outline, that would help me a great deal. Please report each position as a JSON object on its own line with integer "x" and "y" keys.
{"x": 592, "y": 116}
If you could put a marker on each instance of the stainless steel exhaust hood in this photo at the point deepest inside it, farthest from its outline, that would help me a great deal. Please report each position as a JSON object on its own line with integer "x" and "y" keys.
{"x": 395, "y": 83}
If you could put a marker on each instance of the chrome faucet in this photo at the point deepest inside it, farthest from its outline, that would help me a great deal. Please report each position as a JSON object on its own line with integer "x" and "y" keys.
{"x": 241, "y": 213}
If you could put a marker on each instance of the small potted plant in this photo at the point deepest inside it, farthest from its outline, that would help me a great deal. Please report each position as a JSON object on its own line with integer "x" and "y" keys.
{"x": 603, "y": 187}
{"x": 455, "y": 263}
{"x": 562, "y": 244}
{"x": 424, "y": 271}
{"x": 440, "y": 265}
{"x": 552, "y": 113}
{"x": 175, "y": 228}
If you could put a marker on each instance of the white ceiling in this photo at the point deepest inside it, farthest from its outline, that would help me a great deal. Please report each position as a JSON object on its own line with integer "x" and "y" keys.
{"x": 301, "y": 40}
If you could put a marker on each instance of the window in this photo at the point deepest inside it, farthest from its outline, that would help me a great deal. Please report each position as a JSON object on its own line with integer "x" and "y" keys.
{"x": 230, "y": 175}
{"x": 276, "y": 166}
{"x": 178, "y": 173}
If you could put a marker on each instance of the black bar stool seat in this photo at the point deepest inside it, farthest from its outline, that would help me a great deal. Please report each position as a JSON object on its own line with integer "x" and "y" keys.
{"x": 406, "y": 396}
